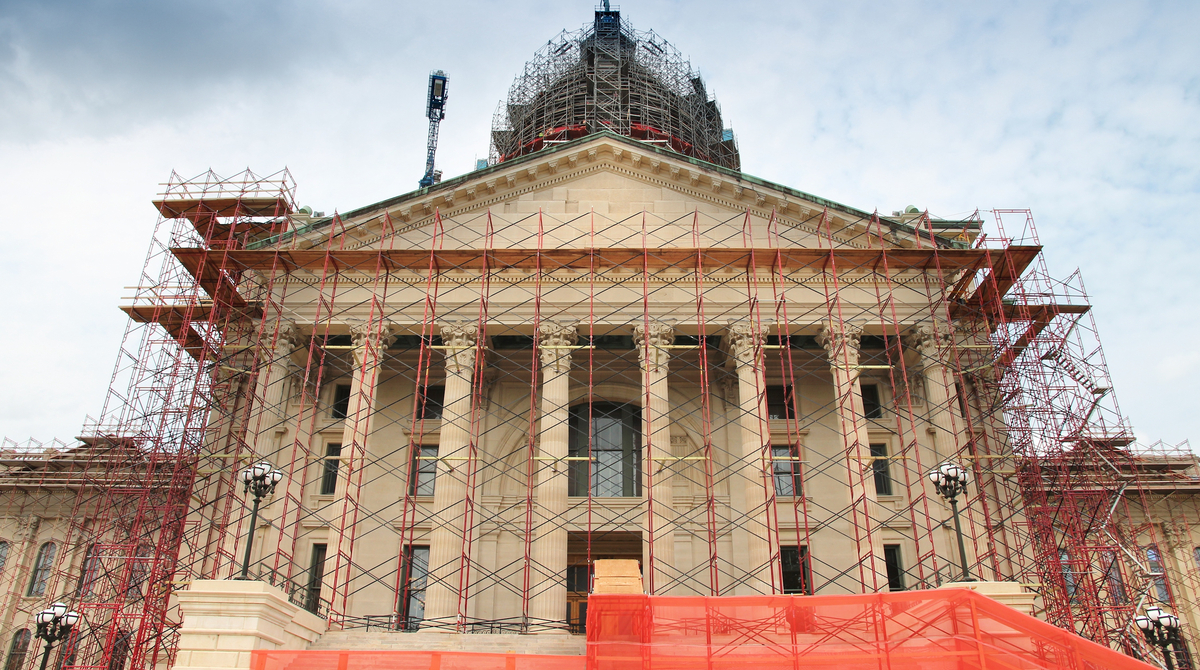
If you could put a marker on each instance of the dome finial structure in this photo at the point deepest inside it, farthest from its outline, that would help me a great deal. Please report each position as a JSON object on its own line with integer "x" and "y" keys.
{"x": 607, "y": 76}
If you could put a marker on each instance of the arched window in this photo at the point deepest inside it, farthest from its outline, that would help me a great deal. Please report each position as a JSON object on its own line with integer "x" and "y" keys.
{"x": 3, "y": 554}
{"x": 139, "y": 571}
{"x": 17, "y": 650}
{"x": 614, "y": 444}
{"x": 90, "y": 572}
{"x": 41, "y": 569}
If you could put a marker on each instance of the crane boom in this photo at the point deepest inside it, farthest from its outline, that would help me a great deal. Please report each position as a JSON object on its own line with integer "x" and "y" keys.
{"x": 435, "y": 110}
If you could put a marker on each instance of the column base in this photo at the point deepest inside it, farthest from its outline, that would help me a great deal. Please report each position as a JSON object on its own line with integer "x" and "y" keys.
{"x": 1011, "y": 594}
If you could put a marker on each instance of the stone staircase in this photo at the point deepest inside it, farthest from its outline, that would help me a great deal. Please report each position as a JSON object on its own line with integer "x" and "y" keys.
{"x": 363, "y": 640}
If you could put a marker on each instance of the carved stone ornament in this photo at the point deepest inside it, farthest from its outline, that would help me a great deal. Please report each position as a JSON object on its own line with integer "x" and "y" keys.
{"x": 841, "y": 342}
{"x": 930, "y": 341}
{"x": 462, "y": 338}
{"x": 553, "y": 338}
{"x": 651, "y": 344}
{"x": 290, "y": 338}
{"x": 368, "y": 337}
{"x": 27, "y": 528}
{"x": 744, "y": 342}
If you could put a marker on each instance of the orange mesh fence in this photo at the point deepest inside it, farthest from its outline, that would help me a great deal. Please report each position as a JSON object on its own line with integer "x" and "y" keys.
{"x": 945, "y": 629}
{"x": 937, "y": 629}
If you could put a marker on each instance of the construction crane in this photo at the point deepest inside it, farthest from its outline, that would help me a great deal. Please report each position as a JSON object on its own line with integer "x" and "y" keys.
{"x": 436, "y": 111}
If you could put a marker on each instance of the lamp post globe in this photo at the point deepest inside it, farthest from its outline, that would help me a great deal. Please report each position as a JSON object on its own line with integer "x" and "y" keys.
{"x": 54, "y": 624}
{"x": 950, "y": 480}
{"x": 258, "y": 480}
{"x": 1160, "y": 629}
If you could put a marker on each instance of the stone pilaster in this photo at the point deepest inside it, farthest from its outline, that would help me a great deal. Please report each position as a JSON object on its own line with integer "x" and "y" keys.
{"x": 446, "y": 557}
{"x": 555, "y": 342}
{"x": 653, "y": 346}
{"x": 21, "y": 555}
{"x": 841, "y": 343}
{"x": 744, "y": 342}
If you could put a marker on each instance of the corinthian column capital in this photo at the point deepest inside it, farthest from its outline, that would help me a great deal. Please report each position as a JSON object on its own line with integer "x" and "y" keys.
{"x": 462, "y": 340}
{"x": 930, "y": 341}
{"x": 370, "y": 337}
{"x": 651, "y": 343}
{"x": 841, "y": 341}
{"x": 744, "y": 341}
{"x": 553, "y": 340}
{"x": 289, "y": 338}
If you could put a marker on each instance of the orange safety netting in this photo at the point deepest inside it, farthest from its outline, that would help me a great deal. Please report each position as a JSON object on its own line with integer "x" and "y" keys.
{"x": 944, "y": 629}
{"x": 939, "y": 629}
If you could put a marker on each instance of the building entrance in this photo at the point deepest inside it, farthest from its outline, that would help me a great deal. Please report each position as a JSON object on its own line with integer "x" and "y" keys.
{"x": 614, "y": 544}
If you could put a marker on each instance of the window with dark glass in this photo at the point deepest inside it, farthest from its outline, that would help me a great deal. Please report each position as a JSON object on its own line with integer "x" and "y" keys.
{"x": 797, "y": 570}
{"x": 17, "y": 650}
{"x": 139, "y": 570}
{"x": 90, "y": 572}
{"x": 1068, "y": 573}
{"x": 882, "y": 469}
{"x": 614, "y": 439}
{"x": 895, "y": 567}
{"x": 412, "y": 596}
{"x": 41, "y": 569}
{"x": 424, "y": 471}
{"x": 780, "y": 403}
{"x": 785, "y": 463}
{"x": 430, "y": 401}
{"x": 872, "y": 407}
{"x": 316, "y": 576}
{"x": 341, "y": 401}
{"x": 3, "y": 555}
{"x": 67, "y": 650}
{"x": 120, "y": 652}
{"x": 1113, "y": 580}
{"x": 329, "y": 474}
{"x": 579, "y": 578}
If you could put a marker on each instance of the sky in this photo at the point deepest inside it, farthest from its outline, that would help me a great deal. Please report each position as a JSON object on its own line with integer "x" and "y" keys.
{"x": 1086, "y": 113}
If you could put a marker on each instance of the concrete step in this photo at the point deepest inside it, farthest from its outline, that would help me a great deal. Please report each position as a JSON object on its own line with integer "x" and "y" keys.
{"x": 361, "y": 640}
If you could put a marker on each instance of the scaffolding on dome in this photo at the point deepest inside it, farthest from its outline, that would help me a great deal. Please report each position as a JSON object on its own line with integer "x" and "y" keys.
{"x": 607, "y": 76}
{"x": 319, "y": 344}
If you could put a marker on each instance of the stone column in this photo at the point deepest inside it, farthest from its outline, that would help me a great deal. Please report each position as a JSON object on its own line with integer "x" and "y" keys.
{"x": 550, "y": 543}
{"x": 653, "y": 349}
{"x": 841, "y": 343}
{"x": 938, "y": 380}
{"x": 370, "y": 340}
{"x": 450, "y": 492}
{"x": 744, "y": 348}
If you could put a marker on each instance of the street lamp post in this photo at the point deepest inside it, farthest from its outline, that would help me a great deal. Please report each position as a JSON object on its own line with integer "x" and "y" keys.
{"x": 1160, "y": 629}
{"x": 950, "y": 479}
{"x": 54, "y": 624}
{"x": 260, "y": 480}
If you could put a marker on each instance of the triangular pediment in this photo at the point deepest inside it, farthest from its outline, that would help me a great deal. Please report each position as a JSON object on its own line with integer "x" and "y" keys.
{"x": 606, "y": 190}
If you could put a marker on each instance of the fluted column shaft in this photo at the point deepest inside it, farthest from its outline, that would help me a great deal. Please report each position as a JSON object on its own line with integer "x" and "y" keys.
{"x": 652, "y": 344}
{"x": 550, "y": 543}
{"x": 841, "y": 343}
{"x": 932, "y": 343}
{"x": 744, "y": 349}
{"x": 447, "y": 544}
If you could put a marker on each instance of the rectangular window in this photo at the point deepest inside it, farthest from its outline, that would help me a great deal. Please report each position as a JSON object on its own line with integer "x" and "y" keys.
{"x": 883, "y": 471}
{"x": 579, "y": 578}
{"x": 1112, "y": 577}
{"x": 785, "y": 462}
{"x": 424, "y": 471}
{"x": 1068, "y": 573}
{"x": 872, "y": 407}
{"x": 780, "y": 403}
{"x": 316, "y": 576}
{"x": 797, "y": 570}
{"x": 341, "y": 401}
{"x": 1161, "y": 592}
{"x": 611, "y": 442}
{"x": 329, "y": 474}
{"x": 895, "y": 567}
{"x": 412, "y": 596}
{"x": 430, "y": 401}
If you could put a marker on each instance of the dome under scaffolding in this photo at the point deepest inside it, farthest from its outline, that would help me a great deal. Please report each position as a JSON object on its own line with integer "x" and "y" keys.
{"x": 608, "y": 76}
